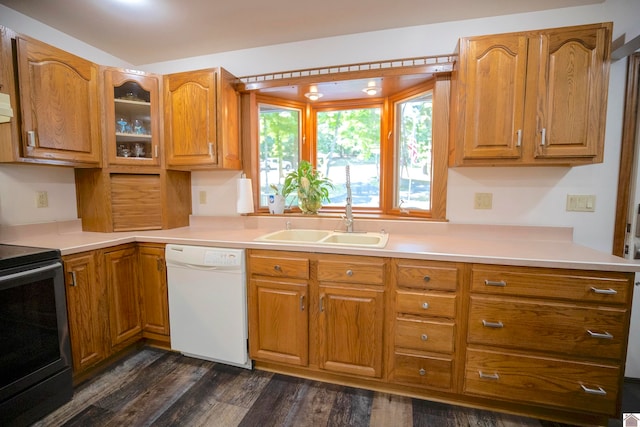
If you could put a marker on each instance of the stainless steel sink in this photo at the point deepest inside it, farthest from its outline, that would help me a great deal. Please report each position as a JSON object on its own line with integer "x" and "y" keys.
{"x": 325, "y": 237}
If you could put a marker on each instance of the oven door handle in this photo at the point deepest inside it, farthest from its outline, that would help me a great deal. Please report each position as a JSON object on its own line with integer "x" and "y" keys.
{"x": 30, "y": 272}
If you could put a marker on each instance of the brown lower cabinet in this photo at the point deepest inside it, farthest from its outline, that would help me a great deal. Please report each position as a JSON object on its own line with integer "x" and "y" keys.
{"x": 153, "y": 292}
{"x": 113, "y": 299}
{"x": 547, "y": 343}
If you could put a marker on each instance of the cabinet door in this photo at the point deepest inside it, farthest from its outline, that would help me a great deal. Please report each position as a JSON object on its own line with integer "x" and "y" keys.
{"x": 572, "y": 99}
{"x": 132, "y": 127}
{"x": 279, "y": 321}
{"x": 190, "y": 118}
{"x": 228, "y": 105}
{"x": 60, "y": 105}
{"x": 86, "y": 306}
{"x": 153, "y": 290}
{"x": 492, "y": 77}
{"x": 123, "y": 295}
{"x": 350, "y": 330}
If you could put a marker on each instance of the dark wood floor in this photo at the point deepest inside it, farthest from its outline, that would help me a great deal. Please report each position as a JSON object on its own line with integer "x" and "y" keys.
{"x": 156, "y": 388}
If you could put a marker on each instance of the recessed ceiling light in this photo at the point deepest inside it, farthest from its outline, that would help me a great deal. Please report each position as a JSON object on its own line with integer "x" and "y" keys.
{"x": 313, "y": 94}
{"x": 371, "y": 89}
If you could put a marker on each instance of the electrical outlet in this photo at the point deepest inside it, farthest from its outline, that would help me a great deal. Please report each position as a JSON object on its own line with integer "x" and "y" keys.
{"x": 203, "y": 197}
{"x": 483, "y": 201}
{"x": 42, "y": 199}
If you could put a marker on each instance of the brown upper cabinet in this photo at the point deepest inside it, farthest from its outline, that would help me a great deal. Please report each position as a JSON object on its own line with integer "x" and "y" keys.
{"x": 531, "y": 98}
{"x": 132, "y": 118}
{"x": 60, "y": 101}
{"x": 202, "y": 129}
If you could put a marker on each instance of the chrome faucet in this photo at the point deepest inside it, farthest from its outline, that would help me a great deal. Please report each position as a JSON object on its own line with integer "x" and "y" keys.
{"x": 348, "y": 216}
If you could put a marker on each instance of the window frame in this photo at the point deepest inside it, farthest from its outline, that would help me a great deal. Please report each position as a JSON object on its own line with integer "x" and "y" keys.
{"x": 441, "y": 86}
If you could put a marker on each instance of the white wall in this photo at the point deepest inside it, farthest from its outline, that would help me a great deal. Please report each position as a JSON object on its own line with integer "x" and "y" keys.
{"x": 521, "y": 196}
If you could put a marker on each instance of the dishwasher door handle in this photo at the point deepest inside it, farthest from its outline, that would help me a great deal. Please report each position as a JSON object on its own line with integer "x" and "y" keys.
{"x": 200, "y": 267}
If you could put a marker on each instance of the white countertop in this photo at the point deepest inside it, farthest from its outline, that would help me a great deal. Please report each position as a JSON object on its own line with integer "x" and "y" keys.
{"x": 509, "y": 245}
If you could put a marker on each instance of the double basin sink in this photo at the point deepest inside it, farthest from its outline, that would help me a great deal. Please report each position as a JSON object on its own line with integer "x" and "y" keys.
{"x": 326, "y": 237}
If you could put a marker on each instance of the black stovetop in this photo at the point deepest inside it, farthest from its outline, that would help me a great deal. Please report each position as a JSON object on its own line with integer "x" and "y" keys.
{"x": 15, "y": 256}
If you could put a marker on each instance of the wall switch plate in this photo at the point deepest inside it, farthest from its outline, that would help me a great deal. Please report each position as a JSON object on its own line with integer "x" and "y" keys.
{"x": 581, "y": 203}
{"x": 203, "y": 197}
{"x": 483, "y": 201}
{"x": 42, "y": 199}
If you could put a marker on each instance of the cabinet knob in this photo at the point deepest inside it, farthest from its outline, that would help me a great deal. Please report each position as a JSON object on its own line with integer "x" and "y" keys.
{"x": 422, "y": 372}
{"x": 486, "y": 376}
{"x": 602, "y": 335}
{"x": 349, "y": 273}
{"x": 598, "y": 391}
{"x": 31, "y": 138}
{"x": 425, "y": 305}
{"x": 424, "y": 337}
{"x": 277, "y": 267}
{"x": 501, "y": 283}
{"x": 603, "y": 291}
{"x": 426, "y": 279}
{"x": 74, "y": 281}
{"x": 495, "y": 325}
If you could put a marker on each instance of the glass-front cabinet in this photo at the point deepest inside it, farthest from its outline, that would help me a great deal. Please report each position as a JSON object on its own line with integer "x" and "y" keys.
{"x": 132, "y": 112}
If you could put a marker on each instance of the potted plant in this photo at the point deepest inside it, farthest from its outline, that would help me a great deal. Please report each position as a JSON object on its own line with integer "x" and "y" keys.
{"x": 276, "y": 201}
{"x": 311, "y": 187}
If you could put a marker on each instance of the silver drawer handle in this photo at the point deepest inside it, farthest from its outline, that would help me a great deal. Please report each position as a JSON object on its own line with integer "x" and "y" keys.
{"x": 425, "y": 305}
{"x": 501, "y": 283}
{"x": 488, "y": 376}
{"x": 422, "y": 372}
{"x": 424, "y": 337}
{"x": 599, "y": 391}
{"x": 349, "y": 273}
{"x": 604, "y": 335}
{"x": 603, "y": 291}
{"x": 487, "y": 324}
{"x": 74, "y": 280}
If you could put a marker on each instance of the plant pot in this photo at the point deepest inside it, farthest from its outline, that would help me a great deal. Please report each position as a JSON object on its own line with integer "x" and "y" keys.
{"x": 309, "y": 206}
{"x": 276, "y": 204}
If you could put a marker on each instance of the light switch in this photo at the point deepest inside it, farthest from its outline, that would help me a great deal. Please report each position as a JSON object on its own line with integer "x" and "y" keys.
{"x": 203, "y": 197}
{"x": 581, "y": 203}
{"x": 42, "y": 199}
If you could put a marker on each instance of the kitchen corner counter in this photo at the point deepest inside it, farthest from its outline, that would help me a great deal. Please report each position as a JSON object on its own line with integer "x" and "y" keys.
{"x": 507, "y": 245}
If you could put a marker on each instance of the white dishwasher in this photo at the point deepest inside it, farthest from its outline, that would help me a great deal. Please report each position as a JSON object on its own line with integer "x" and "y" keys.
{"x": 208, "y": 303}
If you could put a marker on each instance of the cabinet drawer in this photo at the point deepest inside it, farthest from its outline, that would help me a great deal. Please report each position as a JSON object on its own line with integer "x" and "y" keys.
{"x": 574, "y": 385}
{"x": 544, "y": 326}
{"x": 426, "y": 275}
{"x": 423, "y": 371}
{"x": 426, "y": 304}
{"x": 585, "y": 286}
{"x": 279, "y": 266}
{"x": 424, "y": 335}
{"x": 370, "y": 272}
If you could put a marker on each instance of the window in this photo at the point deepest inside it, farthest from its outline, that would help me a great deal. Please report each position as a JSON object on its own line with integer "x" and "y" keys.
{"x": 279, "y": 146}
{"x": 350, "y": 137}
{"x": 413, "y": 145}
{"x": 396, "y": 156}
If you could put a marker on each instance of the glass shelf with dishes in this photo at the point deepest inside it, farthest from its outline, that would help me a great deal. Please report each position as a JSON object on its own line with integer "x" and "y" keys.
{"x": 133, "y": 115}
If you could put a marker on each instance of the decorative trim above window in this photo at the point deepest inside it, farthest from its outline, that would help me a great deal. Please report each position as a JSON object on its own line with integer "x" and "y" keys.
{"x": 418, "y": 65}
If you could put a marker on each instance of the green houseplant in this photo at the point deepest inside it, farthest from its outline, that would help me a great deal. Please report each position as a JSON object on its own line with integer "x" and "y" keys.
{"x": 311, "y": 187}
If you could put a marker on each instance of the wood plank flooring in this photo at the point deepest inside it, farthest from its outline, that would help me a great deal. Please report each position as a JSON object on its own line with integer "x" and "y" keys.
{"x": 157, "y": 388}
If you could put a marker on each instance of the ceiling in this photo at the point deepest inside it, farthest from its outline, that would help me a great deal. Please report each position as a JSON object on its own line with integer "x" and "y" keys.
{"x": 149, "y": 31}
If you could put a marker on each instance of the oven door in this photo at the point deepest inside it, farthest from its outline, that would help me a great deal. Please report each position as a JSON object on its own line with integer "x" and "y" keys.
{"x": 34, "y": 333}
